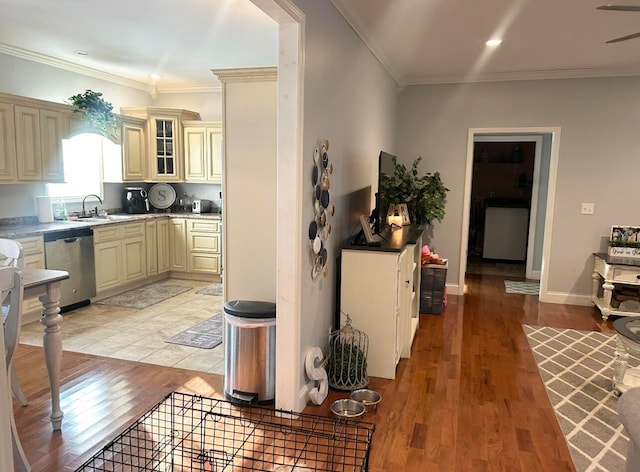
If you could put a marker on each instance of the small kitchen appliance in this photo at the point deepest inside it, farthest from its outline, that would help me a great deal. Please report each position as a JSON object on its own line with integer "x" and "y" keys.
{"x": 202, "y": 206}
{"x": 134, "y": 200}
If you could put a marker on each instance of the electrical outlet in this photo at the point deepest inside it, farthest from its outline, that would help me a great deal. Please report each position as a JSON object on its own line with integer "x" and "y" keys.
{"x": 587, "y": 209}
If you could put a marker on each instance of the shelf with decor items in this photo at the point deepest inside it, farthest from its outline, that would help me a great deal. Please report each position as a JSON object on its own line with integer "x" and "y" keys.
{"x": 379, "y": 289}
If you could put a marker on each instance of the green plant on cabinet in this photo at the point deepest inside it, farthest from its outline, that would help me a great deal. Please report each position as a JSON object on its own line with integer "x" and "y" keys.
{"x": 425, "y": 196}
{"x": 96, "y": 112}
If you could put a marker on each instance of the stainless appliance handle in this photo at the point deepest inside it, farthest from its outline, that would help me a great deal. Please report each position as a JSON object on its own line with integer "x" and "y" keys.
{"x": 70, "y": 240}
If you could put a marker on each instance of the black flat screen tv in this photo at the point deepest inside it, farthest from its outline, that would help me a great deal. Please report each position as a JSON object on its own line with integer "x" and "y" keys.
{"x": 386, "y": 168}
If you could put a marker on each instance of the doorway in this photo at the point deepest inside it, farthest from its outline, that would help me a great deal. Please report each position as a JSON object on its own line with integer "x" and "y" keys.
{"x": 504, "y": 197}
{"x": 539, "y": 235}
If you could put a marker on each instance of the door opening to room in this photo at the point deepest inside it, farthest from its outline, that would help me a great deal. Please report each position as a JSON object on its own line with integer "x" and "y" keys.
{"x": 502, "y": 210}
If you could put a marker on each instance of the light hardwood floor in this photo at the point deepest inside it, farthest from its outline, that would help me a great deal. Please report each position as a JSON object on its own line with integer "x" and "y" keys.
{"x": 469, "y": 399}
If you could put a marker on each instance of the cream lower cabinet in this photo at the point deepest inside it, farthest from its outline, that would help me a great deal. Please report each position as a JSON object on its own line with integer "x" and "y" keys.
{"x": 203, "y": 246}
{"x": 164, "y": 246}
{"x": 178, "y": 243}
{"x": 120, "y": 255}
{"x": 158, "y": 247}
{"x": 33, "y": 249}
{"x": 377, "y": 291}
{"x": 151, "y": 229}
{"x": 195, "y": 246}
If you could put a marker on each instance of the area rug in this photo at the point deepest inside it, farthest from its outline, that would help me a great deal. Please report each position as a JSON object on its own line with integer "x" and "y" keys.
{"x": 213, "y": 290}
{"x": 576, "y": 368}
{"x": 143, "y": 297}
{"x": 526, "y": 288}
{"x": 206, "y": 335}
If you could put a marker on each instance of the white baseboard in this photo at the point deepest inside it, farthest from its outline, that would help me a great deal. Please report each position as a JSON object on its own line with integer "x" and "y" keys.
{"x": 454, "y": 289}
{"x": 566, "y": 298}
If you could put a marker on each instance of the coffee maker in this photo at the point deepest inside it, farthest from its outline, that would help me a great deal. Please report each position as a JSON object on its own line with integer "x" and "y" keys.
{"x": 135, "y": 200}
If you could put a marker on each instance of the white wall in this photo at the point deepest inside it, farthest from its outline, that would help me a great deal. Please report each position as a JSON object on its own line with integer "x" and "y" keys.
{"x": 352, "y": 101}
{"x": 598, "y": 157}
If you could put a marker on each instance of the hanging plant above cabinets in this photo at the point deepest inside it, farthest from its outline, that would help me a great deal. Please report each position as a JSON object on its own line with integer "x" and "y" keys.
{"x": 96, "y": 112}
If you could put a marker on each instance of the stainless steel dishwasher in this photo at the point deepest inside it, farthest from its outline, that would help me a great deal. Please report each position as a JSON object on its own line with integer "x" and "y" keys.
{"x": 72, "y": 250}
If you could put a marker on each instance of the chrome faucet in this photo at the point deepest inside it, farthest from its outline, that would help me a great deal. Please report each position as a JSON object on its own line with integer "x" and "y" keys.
{"x": 84, "y": 213}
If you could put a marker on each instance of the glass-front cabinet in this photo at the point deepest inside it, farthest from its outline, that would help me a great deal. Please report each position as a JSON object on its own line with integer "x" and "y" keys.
{"x": 166, "y": 156}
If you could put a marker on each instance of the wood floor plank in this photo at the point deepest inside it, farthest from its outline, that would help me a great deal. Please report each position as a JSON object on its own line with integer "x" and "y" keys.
{"x": 469, "y": 398}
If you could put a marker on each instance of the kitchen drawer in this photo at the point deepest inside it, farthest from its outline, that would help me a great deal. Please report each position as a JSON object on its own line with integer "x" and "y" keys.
{"x": 204, "y": 263}
{"x": 34, "y": 245}
{"x": 204, "y": 243}
{"x": 203, "y": 226}
{"x": 631, "y": 276}
{"x": 131, "y": 230}
{"x": 107, "y": 233}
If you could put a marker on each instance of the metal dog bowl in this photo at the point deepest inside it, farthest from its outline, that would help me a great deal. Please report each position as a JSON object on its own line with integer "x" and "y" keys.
{"x": 347, "y": 408}
{"x": 369, "y": 398}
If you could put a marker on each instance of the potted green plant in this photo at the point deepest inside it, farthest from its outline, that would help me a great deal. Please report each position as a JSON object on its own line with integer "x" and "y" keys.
{"x": 96, "y": 112}
{"x": 425, "y": 195}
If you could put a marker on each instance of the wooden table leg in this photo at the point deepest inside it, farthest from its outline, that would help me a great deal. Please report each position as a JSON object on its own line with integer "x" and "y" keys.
{"x": 52, "y": 343}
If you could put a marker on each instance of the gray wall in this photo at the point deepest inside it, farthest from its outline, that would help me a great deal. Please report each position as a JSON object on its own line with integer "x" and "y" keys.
{"x": 352, "y": 101}
{"x": 598, "y": 157}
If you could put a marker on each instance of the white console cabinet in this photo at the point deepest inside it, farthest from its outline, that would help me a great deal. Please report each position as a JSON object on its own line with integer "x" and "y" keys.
{"x": 379, "y": 289}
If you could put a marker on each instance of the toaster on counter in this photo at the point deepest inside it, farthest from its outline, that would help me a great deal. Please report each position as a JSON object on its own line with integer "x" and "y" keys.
{"x": 202, "y": 206}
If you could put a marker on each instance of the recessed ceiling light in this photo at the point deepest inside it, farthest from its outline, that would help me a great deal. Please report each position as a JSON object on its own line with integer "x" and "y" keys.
{"x": 80, "y": 52}
{"x": 155, "y": 76}
{"x": 493, "y": 42}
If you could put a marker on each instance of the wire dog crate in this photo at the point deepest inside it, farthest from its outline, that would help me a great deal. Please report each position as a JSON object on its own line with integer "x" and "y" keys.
{"x": 187, "y": 433}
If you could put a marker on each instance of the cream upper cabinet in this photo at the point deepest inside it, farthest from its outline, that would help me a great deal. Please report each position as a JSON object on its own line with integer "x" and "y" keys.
{"x": 165, "y": 153}
{"x": 31, "y": 134}
{"x": 53, "y": 128}
{"x": 203, "y": 151}
{"x": 134, "y": 146}
{"x": 28, "y": 152}
{"x": 8, "y": 171}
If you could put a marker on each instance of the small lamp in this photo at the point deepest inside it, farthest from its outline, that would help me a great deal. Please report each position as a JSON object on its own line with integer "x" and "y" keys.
{"x": 394, "y": 220}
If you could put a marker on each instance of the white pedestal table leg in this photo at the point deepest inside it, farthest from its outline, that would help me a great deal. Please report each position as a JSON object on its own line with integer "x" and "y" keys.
{"x": 52, "y": 343}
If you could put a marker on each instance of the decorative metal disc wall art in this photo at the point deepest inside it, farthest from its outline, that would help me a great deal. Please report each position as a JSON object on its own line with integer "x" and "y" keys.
{"x": 323, "y": 209}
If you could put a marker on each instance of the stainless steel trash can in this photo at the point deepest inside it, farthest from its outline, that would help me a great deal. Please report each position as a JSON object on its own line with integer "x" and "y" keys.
{"x": 250, "y": 351}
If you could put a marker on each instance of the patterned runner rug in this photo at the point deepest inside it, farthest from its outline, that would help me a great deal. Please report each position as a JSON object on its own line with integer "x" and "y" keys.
{"x": 143, "y": 297}
{"x": 206, "y": 335}
{"x": 526, "y": 288}
{"x": 576, "y": 368}
{"x": 214, "y": 290}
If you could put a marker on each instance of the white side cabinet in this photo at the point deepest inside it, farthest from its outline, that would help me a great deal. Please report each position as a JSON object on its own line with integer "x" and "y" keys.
{"x": 379, "y": 290}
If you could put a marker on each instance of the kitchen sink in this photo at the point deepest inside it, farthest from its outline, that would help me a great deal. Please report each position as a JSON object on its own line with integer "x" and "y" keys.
{"x": 110, "y": 217}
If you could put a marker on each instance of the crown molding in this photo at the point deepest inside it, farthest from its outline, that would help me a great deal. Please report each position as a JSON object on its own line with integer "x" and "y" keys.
{"x": 71, "y": 67}
{"x": 584, "y": 73}
{"x": 246, "y": 74}
{"x": 189, "y": 88}
{"x": 357, "y": 26}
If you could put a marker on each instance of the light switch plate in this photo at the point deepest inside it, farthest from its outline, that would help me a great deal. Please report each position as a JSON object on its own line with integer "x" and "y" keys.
{"x": 587, "y": 208}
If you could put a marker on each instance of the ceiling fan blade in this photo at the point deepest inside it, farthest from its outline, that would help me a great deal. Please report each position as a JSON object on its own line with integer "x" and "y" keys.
{"x": 619, "y": 7}
{"x": 624, "y": 38}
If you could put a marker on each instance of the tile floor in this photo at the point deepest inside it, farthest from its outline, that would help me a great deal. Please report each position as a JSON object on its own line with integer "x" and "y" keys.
{"x": 138, "y": 335}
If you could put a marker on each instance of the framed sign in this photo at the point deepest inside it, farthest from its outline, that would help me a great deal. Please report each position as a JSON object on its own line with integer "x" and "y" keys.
{"x": 404, "y": 213}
